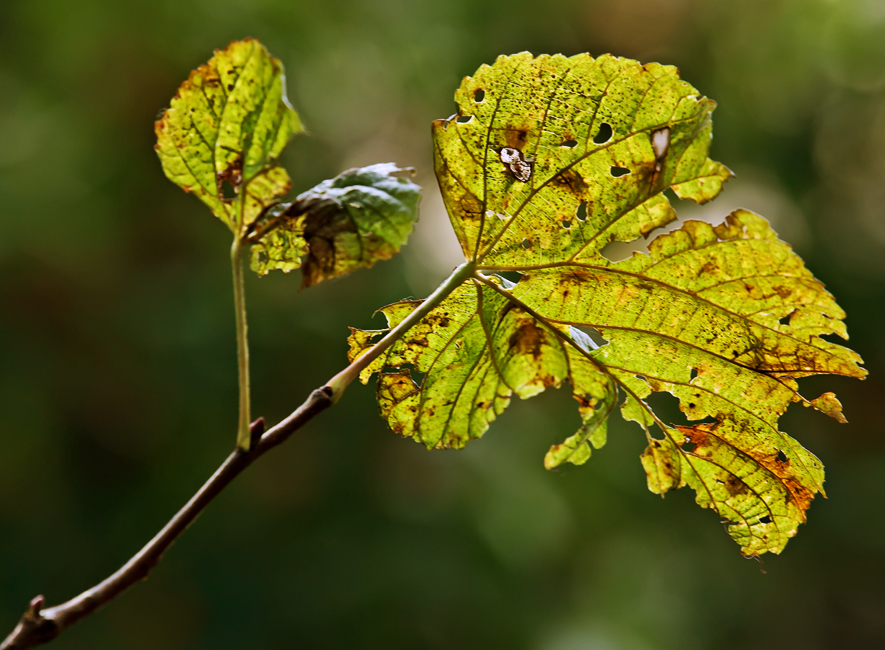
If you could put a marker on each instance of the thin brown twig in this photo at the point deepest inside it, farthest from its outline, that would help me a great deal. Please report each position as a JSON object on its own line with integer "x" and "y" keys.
{"x": 40, "y": 625}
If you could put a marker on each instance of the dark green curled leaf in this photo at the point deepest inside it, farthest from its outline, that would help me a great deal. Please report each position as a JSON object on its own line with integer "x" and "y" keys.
{"x": 224, "y": 131}
{"x": 345, "y": 223}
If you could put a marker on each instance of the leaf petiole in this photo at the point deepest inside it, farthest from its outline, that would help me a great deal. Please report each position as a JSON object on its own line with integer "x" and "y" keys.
{"x": 236, "y": 259}
{"x": 341, "y": 381}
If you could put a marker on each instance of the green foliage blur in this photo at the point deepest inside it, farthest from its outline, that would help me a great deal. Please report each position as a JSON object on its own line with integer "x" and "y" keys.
{"x": 118, "y": 386}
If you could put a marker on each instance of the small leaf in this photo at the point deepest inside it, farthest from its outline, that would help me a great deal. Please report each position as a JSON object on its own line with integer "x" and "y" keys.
{"x": 559, "y": 157}
{"x": 575, "y": 449}
{"x": 828, "y": 403}
{"x": 224, "y": 130}
{"x": 348, "y": 222}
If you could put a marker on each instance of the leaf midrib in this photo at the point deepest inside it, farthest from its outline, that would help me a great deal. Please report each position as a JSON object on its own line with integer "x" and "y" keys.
{"x": 616, "y": 271}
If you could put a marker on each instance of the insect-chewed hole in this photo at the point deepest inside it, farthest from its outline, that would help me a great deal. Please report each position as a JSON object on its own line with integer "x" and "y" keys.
{"x": 785, "y": 320}
{"x": 593, "y": 334}
{"x": 666, "y": 406}
{"x": 479, "y": 95}
{"x": 464, "y": 119}
{"x": 511, "y": 276}
{"x": 604, "y": 134}
{"x": 765, "y": 520}
{"x": 526, "y": 243}
{"x": 416, "y": 375}
{"x": 688, "y": 446}
{"x": 228, "y": 191}
{"x": 694, "y": 373}
{"x": 571, "y": 144}
{"x": 781, "y": 456}
{"x": 566, "y": 224}
{"x": 617, "y": 172}
{"x": 581, "y": 213}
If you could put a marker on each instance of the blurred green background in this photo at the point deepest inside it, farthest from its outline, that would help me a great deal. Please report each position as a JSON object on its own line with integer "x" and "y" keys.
{"x": 118, "y": 369}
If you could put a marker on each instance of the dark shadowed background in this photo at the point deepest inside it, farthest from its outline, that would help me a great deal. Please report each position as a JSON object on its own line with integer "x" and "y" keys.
{"x": 118, "y": 369}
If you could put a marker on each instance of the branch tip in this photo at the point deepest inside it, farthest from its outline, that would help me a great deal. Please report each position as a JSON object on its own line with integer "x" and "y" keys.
{"x": 33, "y": 628}
{"x": 256, "y": 430}
{"x": 36, "y": 605}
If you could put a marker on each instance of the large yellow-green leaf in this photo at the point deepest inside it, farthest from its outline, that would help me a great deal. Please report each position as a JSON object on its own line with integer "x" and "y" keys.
{"x": 725, "y": 318}
{"x": 351, "y": 221}
{"x": 224, "y": 130}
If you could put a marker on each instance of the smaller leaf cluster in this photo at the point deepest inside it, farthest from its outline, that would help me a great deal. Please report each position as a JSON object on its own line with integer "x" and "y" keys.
{"x": 221, "y": 139}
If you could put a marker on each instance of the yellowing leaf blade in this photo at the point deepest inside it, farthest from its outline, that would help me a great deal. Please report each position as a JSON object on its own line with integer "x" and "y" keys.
{"x": 550, "y": 158}
{"x": 224, "y": 130}
{"x": 547, "y": 161}
{"x": 475, "y": 350}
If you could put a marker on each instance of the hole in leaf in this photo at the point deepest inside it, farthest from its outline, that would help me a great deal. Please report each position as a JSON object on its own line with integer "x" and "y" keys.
{"x": 594, "y": 335}
{"x": 660, "y": 142}
{"x": 781, "y": 456}
{"x": 581, "y": 213}
{"x": 566, "y": 224}
{"x": 526, "y": 243}
{"x": 617, "y": 172}
{"x": 581, "y": 339}
{"x": 765, "y": 520}
{"x": 688, "y": 446}
{"x": 666, "y": 407}
{"x": 464, "y": 119}
{"x": 785, "y": 320}
{"x": 694, "y": 373}
{"x": 479, "y": 95}
{"x": 618, "y": 251}
{"x": 512, "y": 276}
{"x": 416, "y": 375}
{"x": 570, "y": 144}
{"x": 604, "y": 134}
{"x": 228, "y": 191}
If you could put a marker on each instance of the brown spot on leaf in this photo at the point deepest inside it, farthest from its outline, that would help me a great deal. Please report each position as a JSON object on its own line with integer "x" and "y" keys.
{"x": 572, "y": 180}
{"x": 233, "y": 174}
{"x": 735, "y": 485}
{"x": 578, "y": 276}
{"x": 469, "y": 207}
{"x": 783, "y": 292}
{"x": 516, "y": 138}
{"x": 528, "y": 339}
{"x": 322, "y": 225}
